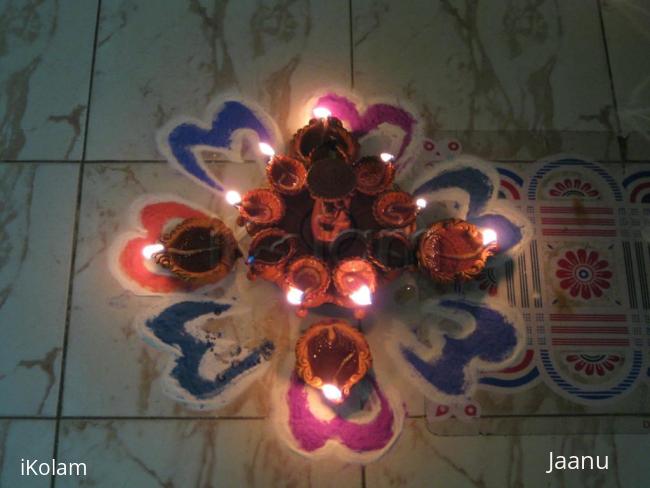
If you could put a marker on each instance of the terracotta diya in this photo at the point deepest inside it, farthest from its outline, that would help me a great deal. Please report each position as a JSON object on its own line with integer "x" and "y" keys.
{"x": 395, "y": 209}
{"x": 268, "y": 254}
{"x": 453, "y": 250}
{"x": 286, "y": 175}
{"x": 324, "y": 137}
{"x": 391, "y": 251}
{"x": 310, "y": 277}
{"x": 261, "y": 207}
{"x": 201, "y": 250}
{"x": 355, "y": 279}
{"x": 332, "y": 356}
{"x": 373, "y": 176}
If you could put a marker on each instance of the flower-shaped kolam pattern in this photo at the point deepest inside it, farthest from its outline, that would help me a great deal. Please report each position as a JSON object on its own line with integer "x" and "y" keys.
{"x": 334, "y": 218}
{"x": 583, "y": 273}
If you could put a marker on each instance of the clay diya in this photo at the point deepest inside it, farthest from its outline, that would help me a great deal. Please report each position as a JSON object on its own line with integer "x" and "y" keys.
{"x": 395, "y": 209}
{"x": 200, "y": 250}
{"x": 261, "y": 207}
{"x": 322, "y": 138}
{"x": 308, "y": 278}
{"x": 391, "y": 251}
{"x": 355, "y": 279}
{"x": 453, "y": 250}
{"x": 373, "y": 175}
{"x": 331, "y": 183}
{"x": 332, "y": 356}
{"x": 268, "y": 254}
{"x": 286, "y": 175}
{"x": 331, "y": 179}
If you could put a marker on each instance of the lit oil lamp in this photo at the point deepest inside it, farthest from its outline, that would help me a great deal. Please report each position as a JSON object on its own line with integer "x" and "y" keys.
{"x": 269, "y": 252}
{"x": 373, "y": 175}
{"x": 260, "y": 207}
{"x": 308, "y": 278}
{"x": 396, "y": 209}
{"x": 356, "y": 279}
{"x": 332, "y": 356}
{"x": 455, "y": 250}
{"x": 200, "y": 250}
{"x": 266, "y": 149}
{"x": 286, "y": 175}
{"x": 324, "y": 137}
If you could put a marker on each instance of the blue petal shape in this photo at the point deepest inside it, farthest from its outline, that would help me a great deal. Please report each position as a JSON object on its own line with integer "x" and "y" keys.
{"x": 231, "y": 117}
{"x": 169, "y": 327}
{"x": 475, "y": 182}
{"x": 509, "y": 234}
{"x": 493, "y": 340}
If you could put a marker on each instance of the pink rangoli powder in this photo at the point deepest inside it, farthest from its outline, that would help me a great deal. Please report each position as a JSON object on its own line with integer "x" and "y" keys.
{"x": 312, "y": 433}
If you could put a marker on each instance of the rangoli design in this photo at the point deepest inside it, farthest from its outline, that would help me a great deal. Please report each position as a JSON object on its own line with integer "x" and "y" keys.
{"x": 359, "y": 199}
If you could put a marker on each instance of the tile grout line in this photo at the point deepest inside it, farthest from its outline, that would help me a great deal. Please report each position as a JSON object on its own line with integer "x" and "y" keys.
{"x": 622, "y": 142}
{"x": 75, "y": 235}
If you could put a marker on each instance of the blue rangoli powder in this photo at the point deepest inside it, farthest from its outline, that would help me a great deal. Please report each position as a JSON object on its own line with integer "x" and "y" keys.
{"x": 233, "y": 116}
{"x": 475, "y": 182}
{"x": 169, "y": 327}
{"x": 493, "y": 340}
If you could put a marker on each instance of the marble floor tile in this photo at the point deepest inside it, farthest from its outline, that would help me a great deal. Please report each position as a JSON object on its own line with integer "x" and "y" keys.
{"x": 45, "y": 62}
{"x": 24, "y": 439}
{"x": 501, "y": 76}
{"x": 420, "y": 459}
{"x": 110, "y": 371}
{"x": 37, "y": 213}
{"x": 628, "y": 40}
{"x": 156, "y": 60}
{"x": 151, "y": 453}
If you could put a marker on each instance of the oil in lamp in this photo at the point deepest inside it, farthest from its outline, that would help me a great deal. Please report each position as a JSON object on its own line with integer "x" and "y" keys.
{"x": 200, "y": 250}
{"x": 286, "y": 175}
{"x": 269, "y": 252}
{"x": 260, "y": 208}
{"x": 396, "y": 209}
{"x": 356, "y": 279}
{"x": 332, "y": 356}
{"x": 308, "y": 277}
{"x": 455, "y": 250}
